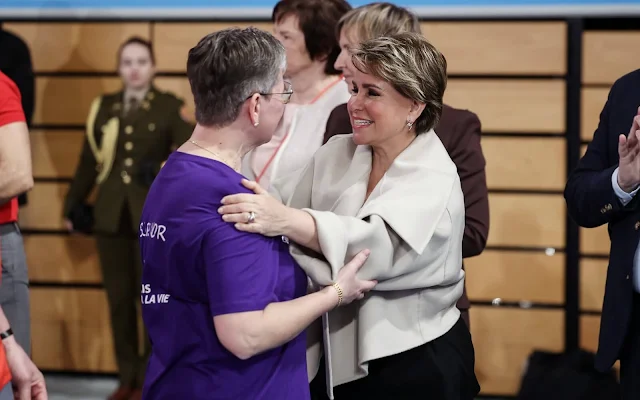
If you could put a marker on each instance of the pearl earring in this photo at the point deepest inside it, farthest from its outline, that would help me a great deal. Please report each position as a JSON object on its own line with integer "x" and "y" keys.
{"x": 409, "y": 124}
{"x": 256, "y": 123}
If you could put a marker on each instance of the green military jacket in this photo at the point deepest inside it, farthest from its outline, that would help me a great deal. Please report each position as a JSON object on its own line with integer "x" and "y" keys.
{"x": 121, "y": 154}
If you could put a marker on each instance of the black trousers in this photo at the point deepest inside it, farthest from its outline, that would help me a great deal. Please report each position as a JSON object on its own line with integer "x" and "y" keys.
{"x": 442, "y": 369}
{"x": 630, "y": 355}
{"x": 121, "y": 269}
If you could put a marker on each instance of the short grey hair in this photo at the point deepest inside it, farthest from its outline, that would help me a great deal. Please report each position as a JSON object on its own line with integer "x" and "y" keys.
{"x": 227, "y": 67}
{"x": 412, "y": 65}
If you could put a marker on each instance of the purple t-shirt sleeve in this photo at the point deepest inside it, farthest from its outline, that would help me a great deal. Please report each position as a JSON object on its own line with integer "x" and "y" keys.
{"x": 241, "y": 269}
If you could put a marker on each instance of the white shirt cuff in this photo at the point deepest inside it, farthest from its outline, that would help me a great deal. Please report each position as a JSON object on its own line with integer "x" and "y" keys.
{"x": 624, "y": 197}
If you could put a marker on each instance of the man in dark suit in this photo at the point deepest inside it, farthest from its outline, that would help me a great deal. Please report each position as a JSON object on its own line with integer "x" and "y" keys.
{"x": 459, "y": 130}
{"x": 603, "y": 190}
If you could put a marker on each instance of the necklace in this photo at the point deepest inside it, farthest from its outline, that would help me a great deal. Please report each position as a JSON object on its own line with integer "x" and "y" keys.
{"x": 224, "y": 160}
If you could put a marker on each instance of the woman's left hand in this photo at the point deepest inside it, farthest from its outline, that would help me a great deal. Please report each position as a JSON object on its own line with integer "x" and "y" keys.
{"x": 257, "y": 213}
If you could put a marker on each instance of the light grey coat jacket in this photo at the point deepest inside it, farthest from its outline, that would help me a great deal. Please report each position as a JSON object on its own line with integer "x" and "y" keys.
{"x": 413, "y": 223}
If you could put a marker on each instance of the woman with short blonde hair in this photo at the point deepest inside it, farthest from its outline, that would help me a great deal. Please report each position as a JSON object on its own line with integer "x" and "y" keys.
{"x": 376, "y": 20}
{"x": 459, "y": 130}
{"x": 390, "y": 186}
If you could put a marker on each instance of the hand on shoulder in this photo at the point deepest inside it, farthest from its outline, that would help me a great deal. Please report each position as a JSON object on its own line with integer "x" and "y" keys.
{"x": 256, "y": 213}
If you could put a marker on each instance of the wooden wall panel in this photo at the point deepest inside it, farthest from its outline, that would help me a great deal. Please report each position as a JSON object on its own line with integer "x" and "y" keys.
{"x": 608, "y": 55}
{"x": 55, "y": 153}
{"x": 516, "y": 276}
{"x": 511, "y": 106}
{"x": 593, "y": 100}
{"x": 505, "y": 337}
{"x": 66, "y": 100}
{"x": 502, "y": 105}
{"x": 595, "y": 241}
{"x": 181, "y": 88}
{"x": 527, "y": 220}
{"x": 470, "y": 47}
{"x": 172, "y": 40}
{"x": 44, "y": 210}
{"x": 76, "y": 46}
{"x": 525, "y": 163}
{"x": 64, "y": 337}
{"x": 593, "y": 276}
{"x": 589, "y": 332}
{"x": 501, "y": 47}
{"x": 62, "y": 259}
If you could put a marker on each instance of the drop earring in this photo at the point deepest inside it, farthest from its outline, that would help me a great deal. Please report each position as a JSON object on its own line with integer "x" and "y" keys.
{"x": 409, "y": 124}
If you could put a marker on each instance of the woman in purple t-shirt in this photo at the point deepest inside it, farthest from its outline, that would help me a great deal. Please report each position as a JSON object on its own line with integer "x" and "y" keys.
{"x": 225, "y": 310}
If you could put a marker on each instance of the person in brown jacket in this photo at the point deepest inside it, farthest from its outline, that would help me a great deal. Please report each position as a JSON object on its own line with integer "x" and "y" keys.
{"x": 459, "y": 130}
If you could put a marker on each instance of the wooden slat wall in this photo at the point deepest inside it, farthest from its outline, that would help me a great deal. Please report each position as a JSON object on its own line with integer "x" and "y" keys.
{"x": 518, "y": 92}
{"x": 77, "y": 47}
{"x": 510, "y": 269}
{"x": 607, "y": 55}
{"x": 602, "y": 65}
{"x": 515, "y": 266}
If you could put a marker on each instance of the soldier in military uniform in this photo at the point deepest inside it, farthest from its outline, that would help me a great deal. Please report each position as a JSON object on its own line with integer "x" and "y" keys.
{"x": 129, "y": 134}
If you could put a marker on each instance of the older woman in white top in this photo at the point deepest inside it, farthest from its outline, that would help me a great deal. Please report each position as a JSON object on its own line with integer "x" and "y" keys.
{"x": 306, "y": 28}
{"x": 390, "y": 187}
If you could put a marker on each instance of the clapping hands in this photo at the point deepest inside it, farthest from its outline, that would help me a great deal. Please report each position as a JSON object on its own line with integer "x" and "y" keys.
{"x": 629, "y": 153}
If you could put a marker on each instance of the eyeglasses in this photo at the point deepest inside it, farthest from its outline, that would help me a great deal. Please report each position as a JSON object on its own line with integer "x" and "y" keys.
{"x": 285, "y": 97}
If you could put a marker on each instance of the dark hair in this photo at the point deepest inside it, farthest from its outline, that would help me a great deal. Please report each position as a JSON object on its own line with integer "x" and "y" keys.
{"x": 227, "y": 67}
{"x": 318, "y": 20}
{"x": 140, "y": 41}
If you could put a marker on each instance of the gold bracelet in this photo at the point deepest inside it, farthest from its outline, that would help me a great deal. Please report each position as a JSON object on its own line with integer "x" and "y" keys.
{"x": 340, "y": 294}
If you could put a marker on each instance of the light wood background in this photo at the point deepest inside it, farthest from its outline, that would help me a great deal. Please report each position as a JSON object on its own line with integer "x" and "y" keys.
{"x": 512, "y": 74}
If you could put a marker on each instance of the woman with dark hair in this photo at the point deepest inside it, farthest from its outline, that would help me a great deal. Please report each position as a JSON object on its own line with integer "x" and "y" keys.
{"x": 129, "y": 134}
{"x": 306, "y": 29}
{"x": 459, "y": 130}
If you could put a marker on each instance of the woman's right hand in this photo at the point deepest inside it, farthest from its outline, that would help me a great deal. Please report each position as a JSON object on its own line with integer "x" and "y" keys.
{"x": 629, "y": 157}
{"x": 352, "y": 287}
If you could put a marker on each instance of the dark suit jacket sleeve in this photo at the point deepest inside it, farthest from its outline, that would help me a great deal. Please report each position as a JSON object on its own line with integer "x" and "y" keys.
{"x": 589, "y": 190}
{"x": 83, "y": 181}
{"x": 468, "y": 157}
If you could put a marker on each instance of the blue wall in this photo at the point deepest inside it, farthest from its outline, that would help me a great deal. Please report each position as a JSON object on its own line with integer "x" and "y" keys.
{"x": 261, "y": 8}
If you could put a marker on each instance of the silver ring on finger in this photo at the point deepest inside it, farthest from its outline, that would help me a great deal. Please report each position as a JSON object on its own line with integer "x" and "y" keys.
{"x": 252, "y": 217}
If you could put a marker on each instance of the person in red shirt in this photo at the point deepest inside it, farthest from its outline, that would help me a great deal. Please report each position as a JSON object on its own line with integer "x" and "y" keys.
{"x": 27, "y": 382}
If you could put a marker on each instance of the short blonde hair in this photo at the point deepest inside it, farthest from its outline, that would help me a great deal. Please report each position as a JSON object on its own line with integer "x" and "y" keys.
{"x": 412, "y": 65}
{"x": 377, "y": 19}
